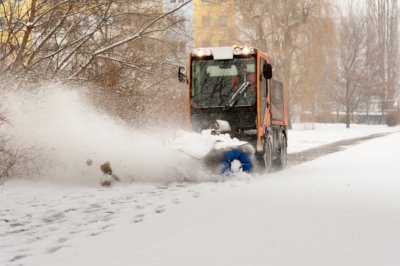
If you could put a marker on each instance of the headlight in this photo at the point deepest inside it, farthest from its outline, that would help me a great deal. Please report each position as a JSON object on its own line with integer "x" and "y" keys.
{"x": 237, "y": 51}
{"x": 246, "y": 51}
{"x": 201, "y": 52}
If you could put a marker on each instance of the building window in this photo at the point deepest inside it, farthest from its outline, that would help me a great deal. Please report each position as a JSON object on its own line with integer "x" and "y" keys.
{"x": 205, "y": 43}
{"x": 182, "y": 47}
{"x": 223, "y": 21}
{"x": 3, "y": 23}
{"x": 205, "y": 21}
{"x": 221, "y": 43}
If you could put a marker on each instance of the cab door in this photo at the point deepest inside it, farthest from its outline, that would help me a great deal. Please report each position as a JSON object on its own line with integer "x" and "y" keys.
{"x": 263, "y": 107}
{"x": 264, "y": 93}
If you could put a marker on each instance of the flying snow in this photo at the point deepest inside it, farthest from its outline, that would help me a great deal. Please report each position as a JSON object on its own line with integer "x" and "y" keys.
{"x": 67, "y": 138}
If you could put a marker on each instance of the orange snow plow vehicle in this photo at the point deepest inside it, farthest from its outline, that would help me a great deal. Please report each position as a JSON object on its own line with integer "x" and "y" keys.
{"x": 231, "y": 91}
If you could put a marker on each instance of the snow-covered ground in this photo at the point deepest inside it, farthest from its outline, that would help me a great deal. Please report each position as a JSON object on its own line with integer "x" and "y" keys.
{"x": 306, "y": 136}
{"x": 341, "y": 209}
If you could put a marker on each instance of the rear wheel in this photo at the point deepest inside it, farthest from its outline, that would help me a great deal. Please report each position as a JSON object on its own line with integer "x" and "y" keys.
{"x": 268, "y": 154}
{"x": 281, "y": 161}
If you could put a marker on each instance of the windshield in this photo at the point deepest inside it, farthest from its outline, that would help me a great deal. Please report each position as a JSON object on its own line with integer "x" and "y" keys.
{"x": 214, "y": 83}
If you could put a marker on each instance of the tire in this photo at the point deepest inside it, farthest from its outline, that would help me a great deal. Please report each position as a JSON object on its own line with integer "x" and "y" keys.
{"x": 239, "y": 155}
{"x": 268, "y": 155}
{"x": 281, "y": 161}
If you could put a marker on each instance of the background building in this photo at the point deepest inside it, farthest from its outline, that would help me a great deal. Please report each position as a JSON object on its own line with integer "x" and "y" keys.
{"x": 180, "y": 38}
{"x": 214, "y": 23}
{"x": 11, "y": 34}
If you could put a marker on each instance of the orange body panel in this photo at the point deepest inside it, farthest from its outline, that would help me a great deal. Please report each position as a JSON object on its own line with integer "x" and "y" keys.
{"x": 189, "y": 69}
{"x": 267, "y": 112}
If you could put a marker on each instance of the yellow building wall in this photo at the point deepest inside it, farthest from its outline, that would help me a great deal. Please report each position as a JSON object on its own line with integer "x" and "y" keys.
{"x": 214, "y": 23}
{"x": 12, "y": 10}
{"x": 11, "y": 35}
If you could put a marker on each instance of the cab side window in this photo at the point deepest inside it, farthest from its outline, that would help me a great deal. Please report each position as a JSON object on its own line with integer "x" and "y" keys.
{"x": 277, "y": 100}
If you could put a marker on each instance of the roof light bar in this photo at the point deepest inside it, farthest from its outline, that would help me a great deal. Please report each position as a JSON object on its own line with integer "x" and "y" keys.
{"x": 237, "y": 50}
{"x": 244, "y": 50}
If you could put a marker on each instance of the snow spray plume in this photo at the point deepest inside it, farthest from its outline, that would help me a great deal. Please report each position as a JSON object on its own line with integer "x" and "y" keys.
{"x": 69, "y": 140}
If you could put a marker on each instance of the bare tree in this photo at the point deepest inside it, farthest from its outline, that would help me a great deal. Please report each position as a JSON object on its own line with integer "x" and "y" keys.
{"x": 351, "y": 60}
{"x": 64, "y": 38}
{"x": 316, "y": 64}
{"x": 119, "y": 46}
{"x": 288, "y": 30}
{"x": 8, "y": 157}
{"x": 383, "y": 48}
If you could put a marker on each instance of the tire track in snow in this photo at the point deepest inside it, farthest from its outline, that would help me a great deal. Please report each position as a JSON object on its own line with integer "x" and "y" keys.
{"x": 315, "y": 153}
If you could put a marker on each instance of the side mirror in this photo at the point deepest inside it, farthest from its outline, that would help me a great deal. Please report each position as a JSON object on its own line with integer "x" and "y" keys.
{"x": 182, "y": 76}
{"x": 267, "y": 71}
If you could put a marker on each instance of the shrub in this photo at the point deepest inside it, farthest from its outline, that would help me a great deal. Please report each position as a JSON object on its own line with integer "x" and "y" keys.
{"x": 8, "y": 157}
{"x": 392, "y": 118}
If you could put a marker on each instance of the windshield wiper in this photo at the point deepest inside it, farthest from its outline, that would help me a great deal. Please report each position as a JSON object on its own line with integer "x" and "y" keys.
{"x": 237, "y": 95}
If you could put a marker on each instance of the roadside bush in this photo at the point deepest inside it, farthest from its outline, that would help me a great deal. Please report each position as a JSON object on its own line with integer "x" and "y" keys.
{"x": 392, "y": 118}
{"x": 8, "y": 157}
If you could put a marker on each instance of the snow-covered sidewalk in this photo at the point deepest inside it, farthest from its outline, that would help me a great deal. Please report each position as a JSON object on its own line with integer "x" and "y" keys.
{"x": 306, "y": 136}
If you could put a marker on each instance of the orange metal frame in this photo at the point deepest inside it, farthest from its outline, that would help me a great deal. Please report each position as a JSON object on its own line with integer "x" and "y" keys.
{"x": 189, "y": 69}
{"x": 267, "y": 112}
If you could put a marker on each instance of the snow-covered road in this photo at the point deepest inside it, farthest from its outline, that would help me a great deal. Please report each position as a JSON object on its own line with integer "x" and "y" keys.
{"x": 341, "y": 209}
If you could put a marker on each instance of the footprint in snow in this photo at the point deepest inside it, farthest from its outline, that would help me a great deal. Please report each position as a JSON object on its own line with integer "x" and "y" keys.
{"x": 139, "y": 207}
{"x": 162, "y": 187}
{"x": 62, "y": 240}
{"x": 18, "y": 257}
{"x": 106, "y": 226}
{"x": 138, "y": 218}
{"x": 15, "y": 224}
{"x": 196, "y": 194}
{"x": 106, "y": 218}
{"x": 54, "y": 249}
{"x": 56, "y": 217}
{"x": 96, "y": 233}
{"x": 176, "y": 201}
{"x": 159, "y": 209}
